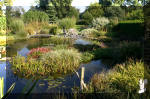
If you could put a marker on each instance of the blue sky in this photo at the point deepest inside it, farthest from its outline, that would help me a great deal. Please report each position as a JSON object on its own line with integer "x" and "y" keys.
{"x": 80, "y": 4}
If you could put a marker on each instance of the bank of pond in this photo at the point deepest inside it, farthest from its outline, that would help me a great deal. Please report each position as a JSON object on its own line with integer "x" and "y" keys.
{"x": 54, "y": 61}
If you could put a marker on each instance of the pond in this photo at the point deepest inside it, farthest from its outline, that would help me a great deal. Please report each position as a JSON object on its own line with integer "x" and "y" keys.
{"x": 53, "y": 84}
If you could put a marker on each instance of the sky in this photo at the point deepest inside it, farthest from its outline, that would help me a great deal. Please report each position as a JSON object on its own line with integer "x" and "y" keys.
{"x": 80, "y": 4}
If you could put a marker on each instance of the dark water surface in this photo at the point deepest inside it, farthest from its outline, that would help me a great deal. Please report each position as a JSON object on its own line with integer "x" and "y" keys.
{"x": 51, "y": 84}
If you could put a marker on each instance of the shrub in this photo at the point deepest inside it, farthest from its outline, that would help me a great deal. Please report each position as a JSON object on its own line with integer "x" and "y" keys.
{"x": 29, "y": 29}
{"x": 136, "y": 14}
{"x": 130, "y": 49}
{"x": 100, "y": 23}
{"x": 35, "y": 16}
{"x": 123, "y": 78}
{"x": 44, "y": 31}
{"x": 90, "y": 32}
{"x": 136, "y": 30}
{"x": 67, "y": 23}
{"x": 17, "y": 25}
{"x": 2, "y": 25}
{"x": 62, "y": 61}
{"x": 53, "y": 29}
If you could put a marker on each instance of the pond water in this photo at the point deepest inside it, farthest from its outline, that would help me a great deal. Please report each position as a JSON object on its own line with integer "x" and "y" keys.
{"x": 60, "y": 83}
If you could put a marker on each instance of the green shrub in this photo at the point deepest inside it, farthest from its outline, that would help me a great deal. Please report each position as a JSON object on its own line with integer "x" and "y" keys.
{"x": 2, "y": 24}
{"x": 67, "y": 23}
{"x": 17, "y": 25}
{"x": 62, "y": 61}
{"x": 123, "y": 78}
{"x": 100, "y": 23}
{"x": 44, "y": 31}
{"x": 136, "y": 14}
{"x": 90, "y": 32}
{"x": 35, "y": 16}
{"x": 130, "y": 50}
{"x": 129, "y": 30}
{"x": 53, "y": 29}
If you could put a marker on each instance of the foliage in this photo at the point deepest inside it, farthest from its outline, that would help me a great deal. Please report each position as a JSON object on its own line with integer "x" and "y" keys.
{"x": 90, "y": 32}
{"x": 136, "y": 30}
{"x": 62, "y": 61}
{"x": 61, "y": 40}
{"x": 100, "y": 23}
{"x": 67, "y": 23}
{"x": 2, "y": 40}
{"x": 121, "y": 53}
{"x": 54, "y": 62}
{"x": 112, "y": 11}
{"x": 123, "y": 78}
{"x": 35, "y": 16}
{"x": 136, "y": 15}
{"x": 87, "y": 56}
{"x": 44, "y": 31}
{"x": 95, "y": 10}
{"x": 87, "y": 18}
{"x": 51, "y": 13}
{"x": 2, "y": 25}
{"x": 37, "y": 52}
{"x": 17, "y": 27}
{"x": 61, "y": 7}
{"x": 73, "y": 13}
{"x": 53, "y": 29}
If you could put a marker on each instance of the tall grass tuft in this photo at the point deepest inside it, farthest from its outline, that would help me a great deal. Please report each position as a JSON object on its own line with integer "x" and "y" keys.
{"x": 62, "y": 61}
{"x": 59, "y": 61}
{"x": 122, "y": 78}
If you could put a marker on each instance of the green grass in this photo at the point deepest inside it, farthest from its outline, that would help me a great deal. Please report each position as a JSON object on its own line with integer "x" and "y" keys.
{"x": 61, "y": 40}
{"x": 60, "y": 61}
{"x": 122, "y": 78}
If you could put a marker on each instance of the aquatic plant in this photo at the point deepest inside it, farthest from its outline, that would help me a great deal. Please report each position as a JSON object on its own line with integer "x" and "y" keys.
{"x": 37, "y": 52}
{"x": 87, "y": 56}
{"x": 122, "y": 78}
{"x": 59, "y": 61}
{"x": 61, "y": 40}
{"x": 62, "y": 61}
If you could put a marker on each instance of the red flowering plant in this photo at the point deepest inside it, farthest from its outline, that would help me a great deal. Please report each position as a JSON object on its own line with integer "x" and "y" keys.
{"x": 37, "y": 52}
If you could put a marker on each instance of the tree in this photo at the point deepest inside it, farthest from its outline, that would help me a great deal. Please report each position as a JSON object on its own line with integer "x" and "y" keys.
{"x": 96, "y": 10}
{"x": 87, "y": 17}
{"x": 51, "y": 13}
{"x": 73, "y": 12}
{"x": 61, "y": 6}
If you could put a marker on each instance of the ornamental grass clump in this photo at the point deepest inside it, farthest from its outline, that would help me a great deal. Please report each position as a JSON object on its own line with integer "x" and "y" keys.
{"x": 62, "y": 61}
{"x": 122, "y": 78}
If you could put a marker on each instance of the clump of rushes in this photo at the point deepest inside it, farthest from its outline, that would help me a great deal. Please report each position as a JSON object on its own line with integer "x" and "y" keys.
{"x": 87, "y": 56}
{"x": 37, "y": 52}
{"x": 59, "y": 61}
{"x": 123, "y": 78}
{"x": 62, "y": 61}
{"x": 61, "y": 40}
